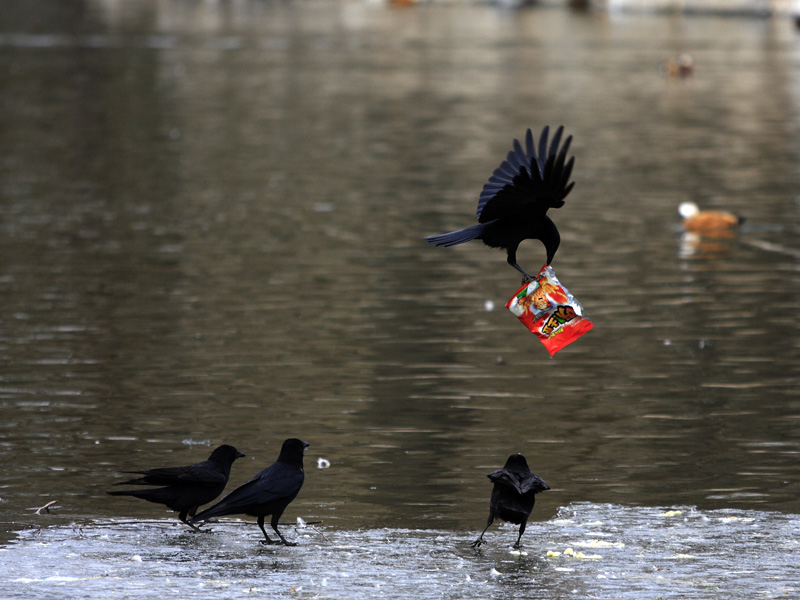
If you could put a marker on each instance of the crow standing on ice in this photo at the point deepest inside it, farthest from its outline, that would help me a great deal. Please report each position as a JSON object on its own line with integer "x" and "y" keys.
{"x": 268, "y": 493}
{"x": 514, "y": 202}
{"x": 185, "y": 489}
{"x": 513, "y": 495}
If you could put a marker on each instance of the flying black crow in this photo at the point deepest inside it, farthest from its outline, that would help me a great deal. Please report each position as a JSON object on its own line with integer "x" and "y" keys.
{"x": 514, "y": 202}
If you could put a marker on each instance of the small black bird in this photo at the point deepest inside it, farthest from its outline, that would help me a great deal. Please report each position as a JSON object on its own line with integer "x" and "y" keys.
{"x": 268, "y": 493}
{"x": 186, "y": 488}
{"x": 514, "y": 202}
{"x": 513, "y": 495}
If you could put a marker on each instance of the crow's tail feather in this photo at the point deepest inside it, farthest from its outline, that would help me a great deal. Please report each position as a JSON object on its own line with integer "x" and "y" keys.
{"x": 218, "y": 510}
{"x": 456, "y": 237}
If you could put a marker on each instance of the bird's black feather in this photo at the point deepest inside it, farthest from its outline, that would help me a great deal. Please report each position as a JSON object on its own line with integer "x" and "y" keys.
{"x": 187, "y": 488}
{"x": 513, "y": 203}
{"x": 268, "y": 493}
{"x": 513, "y": 495}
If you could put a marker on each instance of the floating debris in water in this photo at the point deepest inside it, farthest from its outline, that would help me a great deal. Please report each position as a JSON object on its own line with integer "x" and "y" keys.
{"x": 46, "y": 508}
{"x": 680, "y": 66}
{"x": 323, "y": 207}
{"x": 323, "y": 463}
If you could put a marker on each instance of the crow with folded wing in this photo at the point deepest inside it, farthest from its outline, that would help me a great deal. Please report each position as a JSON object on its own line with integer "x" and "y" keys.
{"x": 268, "y": 493}
{"x": 185, "y": 489}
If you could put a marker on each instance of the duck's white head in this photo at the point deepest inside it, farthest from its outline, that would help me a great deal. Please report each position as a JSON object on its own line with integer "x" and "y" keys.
{"x": 688, "y": 209}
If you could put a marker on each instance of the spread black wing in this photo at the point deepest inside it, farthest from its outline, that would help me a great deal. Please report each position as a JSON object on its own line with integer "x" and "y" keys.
{"x": 528, "y": 181}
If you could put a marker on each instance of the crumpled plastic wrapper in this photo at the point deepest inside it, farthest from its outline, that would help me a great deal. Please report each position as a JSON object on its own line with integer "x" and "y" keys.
{"x": 547, "y": 309}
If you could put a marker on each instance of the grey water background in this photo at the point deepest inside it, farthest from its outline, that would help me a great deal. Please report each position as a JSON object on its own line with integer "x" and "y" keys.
{"x": 211, "y": 231}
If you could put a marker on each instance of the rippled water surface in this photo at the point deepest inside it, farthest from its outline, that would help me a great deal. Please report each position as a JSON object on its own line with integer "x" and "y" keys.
{"x": 211, "y": 231}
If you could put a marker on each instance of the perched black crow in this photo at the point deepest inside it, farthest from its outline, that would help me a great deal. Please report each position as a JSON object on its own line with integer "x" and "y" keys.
{"x": 513, "y": 495}
{"x": 268, "y": 493}
{"x": 514, "y": 202}
{"x": 185, "y": 488}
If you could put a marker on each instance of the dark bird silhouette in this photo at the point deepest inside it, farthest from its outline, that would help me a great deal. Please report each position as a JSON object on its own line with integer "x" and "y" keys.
{"x": 185, "y": 488}
{"x": 514, "y": 202}
{"x": 513, "y": 495}
{"x": 268, "y": 493}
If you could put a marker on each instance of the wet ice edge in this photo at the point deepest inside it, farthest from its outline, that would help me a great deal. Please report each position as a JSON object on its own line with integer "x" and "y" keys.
{"x": 586, "y": 551}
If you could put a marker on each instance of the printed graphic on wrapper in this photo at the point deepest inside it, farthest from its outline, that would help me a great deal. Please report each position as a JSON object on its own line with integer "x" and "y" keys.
{"x": 548, "y": 309}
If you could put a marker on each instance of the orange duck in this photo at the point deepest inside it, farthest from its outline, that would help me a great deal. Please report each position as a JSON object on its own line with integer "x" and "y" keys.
{"x": 707, "y": 221}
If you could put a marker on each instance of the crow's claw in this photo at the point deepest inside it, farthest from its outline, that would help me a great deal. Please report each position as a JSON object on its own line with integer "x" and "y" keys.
{"x": 270, "y": 542}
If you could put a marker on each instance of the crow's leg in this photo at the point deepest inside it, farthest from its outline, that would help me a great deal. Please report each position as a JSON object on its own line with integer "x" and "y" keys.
{"x": 512, "y": 260}
{"x": 521, "y": 531}
{"x": 477, "y": 543}
{"x": 274, "y": 523}
{"x": 267, "y": 539}
{"x": 182, "y": 517}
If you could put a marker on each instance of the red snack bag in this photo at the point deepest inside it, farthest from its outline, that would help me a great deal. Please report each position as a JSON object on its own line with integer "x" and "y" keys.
{"x": 548, "y": 309}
